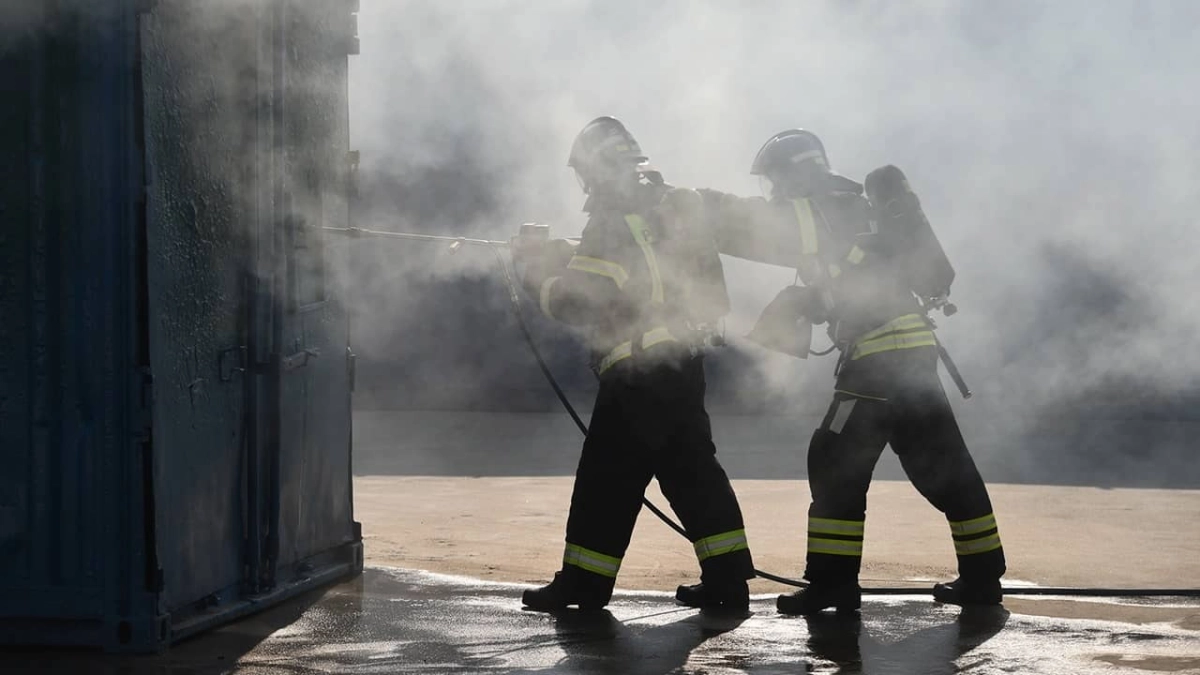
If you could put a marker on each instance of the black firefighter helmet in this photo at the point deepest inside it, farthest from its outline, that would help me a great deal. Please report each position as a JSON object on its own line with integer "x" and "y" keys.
{"x": 792, "y": 161}
{"x": 605, "y": 154}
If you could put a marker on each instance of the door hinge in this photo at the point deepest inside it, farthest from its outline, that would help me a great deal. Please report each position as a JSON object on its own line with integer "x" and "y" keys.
{"x": 230, "y": 362}
{"x": 352, "y": 45}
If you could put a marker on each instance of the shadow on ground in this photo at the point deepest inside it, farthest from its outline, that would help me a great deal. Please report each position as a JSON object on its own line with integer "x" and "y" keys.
{"x": 392, "y": 621}
{"x": 213, "y": 653}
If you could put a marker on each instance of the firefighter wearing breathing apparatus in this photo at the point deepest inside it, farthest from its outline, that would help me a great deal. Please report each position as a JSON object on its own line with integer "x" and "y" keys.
{"x": 646, "y": 285}
{"x": 871, "y": 268}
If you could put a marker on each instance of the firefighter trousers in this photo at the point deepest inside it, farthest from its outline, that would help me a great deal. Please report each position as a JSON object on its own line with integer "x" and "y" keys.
{"x": 894, "y": 399}
{"x": 650, "y": 422}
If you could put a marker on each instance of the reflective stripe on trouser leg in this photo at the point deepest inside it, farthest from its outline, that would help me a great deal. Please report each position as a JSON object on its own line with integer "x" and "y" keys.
{"x": 830, "y": 536}
{"x": 975, "y": 536}
{"x": 839, "y": 469}
{"x": 721, "y": 544}
{"x": 592, "y": 561}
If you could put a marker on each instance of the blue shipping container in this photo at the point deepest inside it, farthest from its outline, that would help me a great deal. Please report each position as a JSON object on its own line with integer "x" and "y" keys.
{"x": 175, "y": 374}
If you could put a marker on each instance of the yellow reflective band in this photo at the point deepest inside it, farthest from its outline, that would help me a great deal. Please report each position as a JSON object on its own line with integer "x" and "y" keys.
{"x": 856, "y": 255}
{"x": 835, "y": 271}
{"x": 973, "y": 526}
{"x": 835, "y": 547}
{"x": 605, "y": 268}
{"x": 808, "y": 226}
{"x": 891, "y": 336}
{"x": 641, "y": 234}
{"x": 901, "y": 323}
{"x": 894, "y": 342}
{"x": 976, "y": 546}
{"x": 625, "y": 349}
{"x": 830, "y": 526}
{"x": 591, "y": 561}
{"x": 720, "y": 544}
{"x": 544, "y": 295}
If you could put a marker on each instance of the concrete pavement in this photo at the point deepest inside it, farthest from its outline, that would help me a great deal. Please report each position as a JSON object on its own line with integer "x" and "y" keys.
{"x": 511, "y": 529}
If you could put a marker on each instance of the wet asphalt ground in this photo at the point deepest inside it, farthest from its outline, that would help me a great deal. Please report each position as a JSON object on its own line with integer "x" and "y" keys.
{"x": 401, "y": 621}
{"x": 404, "y": 621}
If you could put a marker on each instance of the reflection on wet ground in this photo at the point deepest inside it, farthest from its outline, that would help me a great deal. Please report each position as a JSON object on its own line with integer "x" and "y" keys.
{"x": 394, "y": 620}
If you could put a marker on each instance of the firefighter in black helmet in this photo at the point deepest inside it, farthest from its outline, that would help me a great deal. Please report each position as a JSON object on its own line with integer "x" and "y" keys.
{"x": 871, "y": 268}
{"x": 646, "y": 285}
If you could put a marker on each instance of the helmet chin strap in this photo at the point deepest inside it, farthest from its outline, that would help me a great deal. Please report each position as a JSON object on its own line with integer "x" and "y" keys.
{"x": 620, "y": 184}
{"x": 649, "y": 175}
{"x": 790, "y": 187}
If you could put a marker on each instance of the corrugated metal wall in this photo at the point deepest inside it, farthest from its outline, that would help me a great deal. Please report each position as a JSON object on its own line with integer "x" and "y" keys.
{"x": 70, "y": 546}
{"x": 174, "y": 381}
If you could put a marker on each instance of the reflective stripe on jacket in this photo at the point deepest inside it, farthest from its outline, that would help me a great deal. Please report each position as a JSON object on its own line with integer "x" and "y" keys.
{"x": 904, "y": 332}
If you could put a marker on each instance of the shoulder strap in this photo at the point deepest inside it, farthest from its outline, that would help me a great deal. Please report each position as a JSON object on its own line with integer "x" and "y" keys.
{"x": 640, "y": 230}
{"x": 808, "y": 226}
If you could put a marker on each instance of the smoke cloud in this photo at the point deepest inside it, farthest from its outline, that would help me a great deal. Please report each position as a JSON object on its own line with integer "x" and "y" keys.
{"x": 1052, "y": 146}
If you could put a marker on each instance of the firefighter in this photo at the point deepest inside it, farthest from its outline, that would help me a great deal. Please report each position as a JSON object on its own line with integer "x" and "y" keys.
{"x": 645, "y": 286}
{"x": 871, "y": 269}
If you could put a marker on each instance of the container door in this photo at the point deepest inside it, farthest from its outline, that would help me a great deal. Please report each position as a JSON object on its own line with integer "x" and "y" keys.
{"x": 315, "y": 511}
{"x": 199, "y": 213}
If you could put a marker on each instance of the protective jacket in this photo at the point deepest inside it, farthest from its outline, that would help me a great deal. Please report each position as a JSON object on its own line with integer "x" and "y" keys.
{"x": 644, "y": 279}
{"x": 829, "y": 237}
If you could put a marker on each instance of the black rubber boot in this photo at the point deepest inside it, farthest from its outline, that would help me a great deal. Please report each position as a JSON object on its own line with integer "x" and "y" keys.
{"x": 571, "y": 586}
{"x": 846, "y": 598}
{"x": 731, "y": 596}
{"x": 965, "y": 592}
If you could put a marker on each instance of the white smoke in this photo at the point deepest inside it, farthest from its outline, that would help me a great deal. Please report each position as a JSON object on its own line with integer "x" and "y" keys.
{"x": 1052, "y": 145}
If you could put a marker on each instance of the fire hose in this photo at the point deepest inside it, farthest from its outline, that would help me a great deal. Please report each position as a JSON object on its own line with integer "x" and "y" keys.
{"x": 515, "y": 300}
{"x": 496, "y": 246}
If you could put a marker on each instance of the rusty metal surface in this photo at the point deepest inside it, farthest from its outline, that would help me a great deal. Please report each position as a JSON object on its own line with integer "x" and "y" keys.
{"x": 197, "y": 229}
{"x": 165, "y": 166}
{"x": 247, "y": 128}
